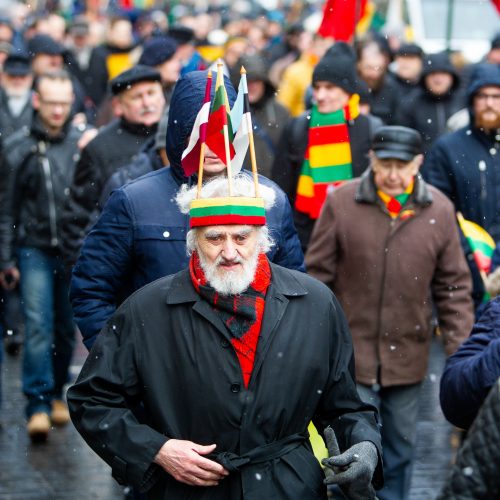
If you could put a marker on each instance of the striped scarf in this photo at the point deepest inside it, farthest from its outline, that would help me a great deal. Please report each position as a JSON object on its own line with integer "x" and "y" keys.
{"x": 394, "y": 204}
{"x": 242, "y": 314}
{"x": 328, "y": 160}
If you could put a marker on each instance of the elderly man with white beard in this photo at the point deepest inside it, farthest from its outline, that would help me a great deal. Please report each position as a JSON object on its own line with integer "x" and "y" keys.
{"x": 231, "y": 359}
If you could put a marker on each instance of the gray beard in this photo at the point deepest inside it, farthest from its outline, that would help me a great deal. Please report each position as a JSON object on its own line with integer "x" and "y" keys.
{"x": 225, "y": 282}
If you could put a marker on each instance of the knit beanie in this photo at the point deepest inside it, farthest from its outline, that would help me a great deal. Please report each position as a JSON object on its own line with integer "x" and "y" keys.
{"x": 338, "y": 66}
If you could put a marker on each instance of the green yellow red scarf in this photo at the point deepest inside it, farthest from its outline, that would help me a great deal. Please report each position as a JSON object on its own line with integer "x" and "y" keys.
{"x": 394, "y": 204}
{"x": 242, "y": 314}
{"x": 328, "y": 159}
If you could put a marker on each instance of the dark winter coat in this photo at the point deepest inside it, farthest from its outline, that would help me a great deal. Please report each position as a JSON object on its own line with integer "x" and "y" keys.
{"x": 39, "y": 170}
{"x": 141, "y": 235}
{"x": 146, "y": 161}
{"x": 269, "y": 118}
{"x": 114, "y": 146}
{"x": 384, "y": 101}
{"x": 465, "y": 166}
{"x": 290, "y": 157}
{"x": 474, "y": 475}
{"x": 426, "y": 112}
{"x": 471, "y": 372}
{"x": 384, "y": 272}
{"x": 10, "y": 123}
{"x": 167, "y": 349}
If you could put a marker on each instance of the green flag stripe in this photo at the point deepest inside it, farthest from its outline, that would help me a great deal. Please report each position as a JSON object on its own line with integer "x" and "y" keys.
{"x": 332, "y": 173}
{"x": 226, "y": 209}
{"x": 480, "y": 246}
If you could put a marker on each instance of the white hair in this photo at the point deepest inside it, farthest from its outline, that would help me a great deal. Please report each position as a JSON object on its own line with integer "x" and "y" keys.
{"x": 219, "y": 188}
{"x": 264, "y": 243}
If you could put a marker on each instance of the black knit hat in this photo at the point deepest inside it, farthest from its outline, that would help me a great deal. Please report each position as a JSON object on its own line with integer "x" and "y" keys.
{"x": 338, "y": 66}
{"x": 138, "y": 73}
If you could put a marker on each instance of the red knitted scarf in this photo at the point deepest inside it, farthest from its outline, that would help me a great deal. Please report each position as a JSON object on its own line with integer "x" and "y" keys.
{"x": 242, "y": 314}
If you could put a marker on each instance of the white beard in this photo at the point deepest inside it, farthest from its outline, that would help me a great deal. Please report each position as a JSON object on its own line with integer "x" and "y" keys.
{"x": 229, "y": 282}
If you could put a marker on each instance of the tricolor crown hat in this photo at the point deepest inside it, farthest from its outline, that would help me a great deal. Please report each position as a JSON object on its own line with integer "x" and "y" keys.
{"x": 240, "y": 210}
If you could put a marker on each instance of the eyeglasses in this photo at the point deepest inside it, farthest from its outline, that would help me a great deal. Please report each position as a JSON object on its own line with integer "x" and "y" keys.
{"x": 481, "y": 96}
{"x": 55, "y": 104}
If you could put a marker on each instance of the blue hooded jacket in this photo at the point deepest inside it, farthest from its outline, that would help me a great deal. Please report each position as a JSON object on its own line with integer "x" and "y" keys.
{"x": 473, "y": 369}
{"x": 141, "y": 235}
{"x": 465, "y": 165}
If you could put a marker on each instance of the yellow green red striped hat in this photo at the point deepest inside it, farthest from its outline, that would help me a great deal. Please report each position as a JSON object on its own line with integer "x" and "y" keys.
{"x": 227, "y": 210}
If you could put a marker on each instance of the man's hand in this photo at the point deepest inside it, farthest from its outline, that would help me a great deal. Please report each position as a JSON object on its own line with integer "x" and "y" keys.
{"x": 352, "y": 470}
{"x": 9, "y": 278}
{"x": 185, "y": 462}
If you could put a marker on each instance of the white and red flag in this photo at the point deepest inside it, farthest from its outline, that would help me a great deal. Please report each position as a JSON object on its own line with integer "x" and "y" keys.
{"x": 191, "y": 155}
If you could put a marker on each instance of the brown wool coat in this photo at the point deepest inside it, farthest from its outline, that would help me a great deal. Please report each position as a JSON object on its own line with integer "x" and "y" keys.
{"x": 384, "y": 272}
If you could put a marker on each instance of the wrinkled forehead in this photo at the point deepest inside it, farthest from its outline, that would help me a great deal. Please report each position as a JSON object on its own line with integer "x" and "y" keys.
{"x": 227, "y": 230}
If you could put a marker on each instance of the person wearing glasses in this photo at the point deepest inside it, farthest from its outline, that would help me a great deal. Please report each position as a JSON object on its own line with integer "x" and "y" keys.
{"x": 465, "y": 164}
{"x": 37, "y": 166}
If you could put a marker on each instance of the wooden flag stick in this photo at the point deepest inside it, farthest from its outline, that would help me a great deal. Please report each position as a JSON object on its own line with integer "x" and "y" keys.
{"x": 220, "y": 78}
{"x": 228, "y": 160}
{"x": 253, "y": 161}
{"x": 200, "y": 169}
{"x": 202, "y": 146}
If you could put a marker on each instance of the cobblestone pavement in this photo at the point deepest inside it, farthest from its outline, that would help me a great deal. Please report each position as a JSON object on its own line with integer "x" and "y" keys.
{"x": 65, "y": 468}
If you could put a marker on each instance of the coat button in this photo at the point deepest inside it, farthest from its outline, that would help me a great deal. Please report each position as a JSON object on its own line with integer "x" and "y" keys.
{"x": 166, "y": 234}
{"x": 235, "y": 387}
{"x": 224, "y": 343}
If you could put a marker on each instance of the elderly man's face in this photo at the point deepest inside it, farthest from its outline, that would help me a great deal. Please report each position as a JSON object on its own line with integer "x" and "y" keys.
{"x": 142, "y": 103}
{"x": 228, "y": 256}
{"x": 393, "y": 176}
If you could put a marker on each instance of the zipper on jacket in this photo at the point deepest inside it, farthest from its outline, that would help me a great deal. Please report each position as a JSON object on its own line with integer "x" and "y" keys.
{"x": 50, "y": 193}
{"x": 482, "y": 174}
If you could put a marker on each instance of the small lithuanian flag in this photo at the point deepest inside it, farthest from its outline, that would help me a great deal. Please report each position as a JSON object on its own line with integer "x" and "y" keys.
{"x": 480, "y": 242}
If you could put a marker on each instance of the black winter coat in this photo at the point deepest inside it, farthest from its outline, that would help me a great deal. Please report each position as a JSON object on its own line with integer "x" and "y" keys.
{"x": 167, "y": 349}
{"x": 474, "y": 475}
{"x": 114, "y": 146}
{"x": 290, "y": 156}
{"x": 39, "y": 170}
{"x": 428, "y": 114}
{"x": 10, "y": 123}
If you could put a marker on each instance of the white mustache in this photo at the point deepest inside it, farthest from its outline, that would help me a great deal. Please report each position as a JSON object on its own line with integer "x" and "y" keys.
{"x": 145, "y": 111}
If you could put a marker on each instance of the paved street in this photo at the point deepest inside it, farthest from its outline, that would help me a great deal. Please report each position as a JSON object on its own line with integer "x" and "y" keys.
{"x": 65, "y": 468}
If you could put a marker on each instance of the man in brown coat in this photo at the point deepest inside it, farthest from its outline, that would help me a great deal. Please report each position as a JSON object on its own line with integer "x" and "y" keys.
{"x": 388, "y": 245}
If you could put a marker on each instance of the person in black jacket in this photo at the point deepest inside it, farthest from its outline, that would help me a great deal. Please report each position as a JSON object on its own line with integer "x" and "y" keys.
{"x": 474, "y": 474}
{"x": 427, "y": 110}
{"x": 334, "y": 84}
{"x": 231, "y": 358}
{"x": 139, "y": 104}
{"x": 38, "y": 164}
{"x": 464, "y": 164}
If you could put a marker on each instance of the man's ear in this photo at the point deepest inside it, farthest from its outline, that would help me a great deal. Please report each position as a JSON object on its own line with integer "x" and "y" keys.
{"x": 417, "y": 161}
{"x": 35, "y": 100}
{"x": 116, "y": 106}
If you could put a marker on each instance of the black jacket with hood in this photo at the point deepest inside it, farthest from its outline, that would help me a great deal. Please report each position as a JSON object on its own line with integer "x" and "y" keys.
{"x": 465, "y": 165}
{"x": 427, "y": 112}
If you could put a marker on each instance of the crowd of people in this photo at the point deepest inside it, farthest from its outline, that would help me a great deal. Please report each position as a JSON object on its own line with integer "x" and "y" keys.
{"x": 308, "y": 293}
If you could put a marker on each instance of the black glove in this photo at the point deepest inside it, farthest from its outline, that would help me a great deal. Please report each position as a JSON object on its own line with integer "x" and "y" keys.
{"x": 352, "y": 470}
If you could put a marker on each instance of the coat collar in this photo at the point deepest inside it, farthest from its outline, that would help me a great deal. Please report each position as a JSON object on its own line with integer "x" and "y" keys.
{"x": 367, "y": 193}
{"x": 283, "y": 283}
